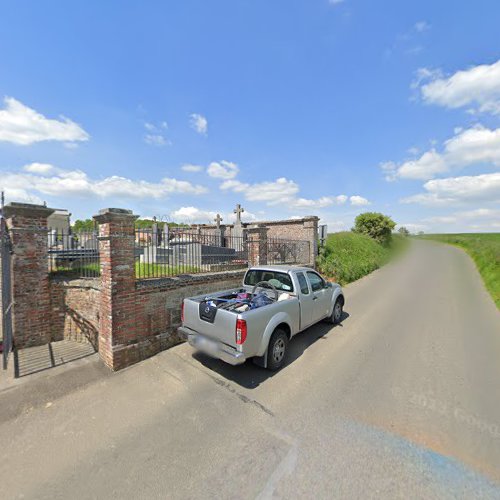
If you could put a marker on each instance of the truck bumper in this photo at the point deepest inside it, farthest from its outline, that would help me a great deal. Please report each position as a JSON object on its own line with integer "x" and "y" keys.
{"x": 211, "y": 347}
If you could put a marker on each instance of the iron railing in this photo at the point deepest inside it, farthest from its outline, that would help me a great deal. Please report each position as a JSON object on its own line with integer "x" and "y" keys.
{"x": 73, "y": 254}
{"x": 164, "y": 253}
{"x": 281, "y": 251}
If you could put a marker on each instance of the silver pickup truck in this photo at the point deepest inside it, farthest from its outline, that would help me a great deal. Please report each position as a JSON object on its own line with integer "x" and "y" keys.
{"x": 259, "y": 319}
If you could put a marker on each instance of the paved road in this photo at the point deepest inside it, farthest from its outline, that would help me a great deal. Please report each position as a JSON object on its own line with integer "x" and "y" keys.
{"x": 401, "y": 400}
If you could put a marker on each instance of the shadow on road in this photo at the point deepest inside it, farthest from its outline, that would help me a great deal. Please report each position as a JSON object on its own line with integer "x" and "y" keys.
{"x": 40, "y": 358}
{"x": 250, "y": 375}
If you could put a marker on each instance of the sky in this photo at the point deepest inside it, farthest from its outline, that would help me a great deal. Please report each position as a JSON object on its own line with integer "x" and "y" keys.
{"x": 181, "y": 109}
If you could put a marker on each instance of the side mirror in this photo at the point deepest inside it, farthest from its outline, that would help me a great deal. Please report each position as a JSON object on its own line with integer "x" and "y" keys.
{"x": 329, "y": 285}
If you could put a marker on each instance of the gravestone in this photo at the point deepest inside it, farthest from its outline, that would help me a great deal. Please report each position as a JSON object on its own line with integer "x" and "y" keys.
{"x": 237, "y": 233}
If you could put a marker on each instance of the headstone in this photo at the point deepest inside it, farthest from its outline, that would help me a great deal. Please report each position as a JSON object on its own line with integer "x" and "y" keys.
{"x": 218, "y": 219}
{"x": 237, "y": 233}
{"x": 219, "y": 232}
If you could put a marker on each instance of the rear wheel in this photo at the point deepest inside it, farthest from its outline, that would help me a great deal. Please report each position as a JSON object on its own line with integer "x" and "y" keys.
{"x": 277, "y": 349}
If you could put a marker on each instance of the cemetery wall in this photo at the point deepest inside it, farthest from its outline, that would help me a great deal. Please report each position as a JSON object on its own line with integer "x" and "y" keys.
{"x": 157, "y": 312}
{"x": 75, "y": 309}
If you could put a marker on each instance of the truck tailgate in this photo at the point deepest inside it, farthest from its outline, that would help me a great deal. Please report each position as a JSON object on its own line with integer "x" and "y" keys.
{"x": 223, "y": 327}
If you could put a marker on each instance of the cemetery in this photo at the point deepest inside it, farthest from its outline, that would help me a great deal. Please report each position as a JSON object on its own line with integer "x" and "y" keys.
{"x": 118, "y": 288}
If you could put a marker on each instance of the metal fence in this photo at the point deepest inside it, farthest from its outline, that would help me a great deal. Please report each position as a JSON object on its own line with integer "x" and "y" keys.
{"x": 73, "y": 254}
{"x": 163, "y": 253}
{"x": 280, "y": 251}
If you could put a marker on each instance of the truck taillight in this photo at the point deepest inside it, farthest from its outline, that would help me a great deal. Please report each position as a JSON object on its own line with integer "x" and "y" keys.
{"x": 182, "y": 311}
{"x": 241, "y": 331}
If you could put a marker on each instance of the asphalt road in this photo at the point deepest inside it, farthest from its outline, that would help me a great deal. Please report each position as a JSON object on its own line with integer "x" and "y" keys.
{"x": 401, "y": 400}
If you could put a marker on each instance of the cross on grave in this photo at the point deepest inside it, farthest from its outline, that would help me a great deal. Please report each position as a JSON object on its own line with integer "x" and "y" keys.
{"x": 238, "y": 211}
{"x": 218, "y": 220}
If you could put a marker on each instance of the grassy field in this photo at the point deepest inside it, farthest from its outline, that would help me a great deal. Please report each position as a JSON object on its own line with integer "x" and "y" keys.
{"x": 484, "y": 248}
{"x": 349, "y": 256}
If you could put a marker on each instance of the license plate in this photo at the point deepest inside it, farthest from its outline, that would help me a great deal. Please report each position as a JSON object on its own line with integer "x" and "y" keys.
{"x": 207, "y": 345}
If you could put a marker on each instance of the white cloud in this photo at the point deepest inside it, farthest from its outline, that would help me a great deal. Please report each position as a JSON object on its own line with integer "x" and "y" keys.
{"x": 197, "y": 215}
{"x": 456, "y": 190}
{"x": 223, "y": 170}
{"x": 156, "y": 140}
{"x": 234, "y": 185}
{"x": 476, "y": 145}
{"x": 422, "y": 26}
{"x": 358, "y": 201}
{"x": 155, "y": 134}
{"x": 272, "y": 192}
{"x": 22, "y": 125}
{"x": 324, "y": 201}
{"x": 188, "y": 167}
{"x": 478, "y": 87}
{"x": 39, "y": 168}
{"x": 284, "y": 190}
{"x": 478, "y": 219}
{"x": 193, "y": 214}
{"x": 199, "y": 123}
{"x": 19, "y": 195}
{"x": 77, "y": 183}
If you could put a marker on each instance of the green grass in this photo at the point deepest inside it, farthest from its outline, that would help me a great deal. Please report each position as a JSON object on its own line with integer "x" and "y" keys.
{"x": 349, "y": 256}
{"x": 142, "y": 270}
{"x": 145, "y": 270}
{"x": 81, "y": 270}
{"x": 484, "y": 248}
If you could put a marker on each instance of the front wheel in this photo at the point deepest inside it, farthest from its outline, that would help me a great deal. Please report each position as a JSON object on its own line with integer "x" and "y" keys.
{"x": 277, "y": 349}
{"x": 337, "y": 311}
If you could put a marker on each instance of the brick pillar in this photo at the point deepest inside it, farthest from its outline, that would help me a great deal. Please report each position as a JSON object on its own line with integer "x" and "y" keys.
{"x": 257, "y": 245}
{"x": 27, "y": 224}
{"x": 311, "y": 225}
{"x": 117, "y": 319}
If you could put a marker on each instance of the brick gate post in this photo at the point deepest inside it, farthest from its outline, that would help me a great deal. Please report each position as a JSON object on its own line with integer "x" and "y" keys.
{"x": 117, "y": 325}
{"x": 27, "y": 224}
{"x": 257, "y": 245}
{"x": 311, "y": 226}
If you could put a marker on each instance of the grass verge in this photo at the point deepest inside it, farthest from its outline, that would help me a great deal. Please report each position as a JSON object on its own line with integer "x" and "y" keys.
{"x": 348, "y": 256}
{"x": 484, "y": 248}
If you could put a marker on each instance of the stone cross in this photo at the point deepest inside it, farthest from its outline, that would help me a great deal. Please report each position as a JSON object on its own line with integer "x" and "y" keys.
{"x": 238, "y": 211}
{"x": 218, "y": 220}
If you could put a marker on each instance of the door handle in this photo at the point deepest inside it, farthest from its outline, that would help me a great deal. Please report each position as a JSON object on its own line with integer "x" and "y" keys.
{"x": 315, "y": 298}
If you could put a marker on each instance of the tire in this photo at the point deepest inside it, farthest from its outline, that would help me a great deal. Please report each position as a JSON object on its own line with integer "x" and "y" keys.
{"x": 336, "y": 316}
{"x": 277, "y": 350}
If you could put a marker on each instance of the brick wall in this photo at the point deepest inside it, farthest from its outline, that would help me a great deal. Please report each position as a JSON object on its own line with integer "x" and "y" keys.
{"x": 75, "y": 309}
{"x": 158, "y": 312}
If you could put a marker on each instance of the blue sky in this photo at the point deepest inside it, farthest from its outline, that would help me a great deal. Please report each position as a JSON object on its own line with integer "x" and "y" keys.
{"x": 183, "y": 109}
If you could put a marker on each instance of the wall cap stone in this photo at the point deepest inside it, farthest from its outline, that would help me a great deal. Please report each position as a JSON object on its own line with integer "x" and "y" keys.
{"x": 26, "y": 210}
{"x": 113, "y": 214}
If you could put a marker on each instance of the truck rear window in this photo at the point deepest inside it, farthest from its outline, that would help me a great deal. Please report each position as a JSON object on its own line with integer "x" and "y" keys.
{"x": 281, "y": 281}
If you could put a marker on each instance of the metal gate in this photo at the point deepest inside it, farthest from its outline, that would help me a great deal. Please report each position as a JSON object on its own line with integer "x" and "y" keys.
{"x": 5, "y": 292}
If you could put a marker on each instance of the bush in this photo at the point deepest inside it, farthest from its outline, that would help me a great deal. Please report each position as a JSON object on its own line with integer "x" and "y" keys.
{"x": 375, "y": 225}
{"x": 349, "y": 256}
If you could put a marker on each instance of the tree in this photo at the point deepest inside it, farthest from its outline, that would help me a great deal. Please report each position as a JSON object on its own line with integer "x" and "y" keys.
{"x": 403, "y": 231}
{"x": 376, "y": 225}
{"x": 83, "y": 226}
